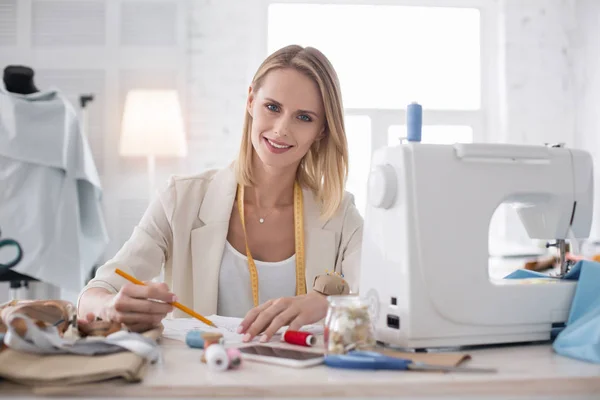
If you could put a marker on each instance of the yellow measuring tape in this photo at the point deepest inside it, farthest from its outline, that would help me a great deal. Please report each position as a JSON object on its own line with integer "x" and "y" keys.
{"x": 298, "y": 239}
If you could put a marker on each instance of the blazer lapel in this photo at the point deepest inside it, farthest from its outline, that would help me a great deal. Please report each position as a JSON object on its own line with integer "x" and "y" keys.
{"x": 208, "y": 241}
{"x": 319, "y": 243}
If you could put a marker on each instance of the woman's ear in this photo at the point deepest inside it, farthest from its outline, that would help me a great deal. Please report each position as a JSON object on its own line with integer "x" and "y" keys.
{"x": 250, "y": 100}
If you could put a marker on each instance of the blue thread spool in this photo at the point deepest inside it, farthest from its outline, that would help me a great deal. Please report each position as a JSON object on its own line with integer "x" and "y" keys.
{"x": 198, "y": 339}
{"x": 194, "y": 339}
{"x": 414, "y": 122}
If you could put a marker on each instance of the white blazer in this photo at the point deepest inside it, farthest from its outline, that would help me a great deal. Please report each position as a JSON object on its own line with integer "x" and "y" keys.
{"x": 185, "y": 229}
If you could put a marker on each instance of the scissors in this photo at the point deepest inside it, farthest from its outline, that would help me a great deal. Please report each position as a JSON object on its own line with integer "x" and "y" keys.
{"x": 377, "y": 361}
{"x": 14, "y": 243}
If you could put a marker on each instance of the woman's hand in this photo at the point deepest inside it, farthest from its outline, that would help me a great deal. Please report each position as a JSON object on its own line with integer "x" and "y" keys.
{"x": 274, "y": 314}
{"x": 139, "y": 307}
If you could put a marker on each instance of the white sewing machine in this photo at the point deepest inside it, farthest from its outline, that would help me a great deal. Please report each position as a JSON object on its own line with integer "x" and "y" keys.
{"x": 425, "y": 243}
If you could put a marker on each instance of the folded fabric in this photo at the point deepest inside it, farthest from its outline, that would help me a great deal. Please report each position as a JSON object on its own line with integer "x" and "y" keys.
{"x": 51, "y": 370}
{"x": 48, "y": 340}
{"x": 580, "y": 338}
{"x": 42, "y": 347}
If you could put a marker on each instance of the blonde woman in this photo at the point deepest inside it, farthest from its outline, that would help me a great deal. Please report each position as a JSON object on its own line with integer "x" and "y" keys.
{"x": 298, "y": 222}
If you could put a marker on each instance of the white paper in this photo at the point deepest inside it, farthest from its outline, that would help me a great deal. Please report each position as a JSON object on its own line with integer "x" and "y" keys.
{"x": 177, "y": 328}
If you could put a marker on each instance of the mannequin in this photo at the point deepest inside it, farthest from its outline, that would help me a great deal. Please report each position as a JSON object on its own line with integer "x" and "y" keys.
{"x": 19, "y": 79}
{"x": 44, "y": 135}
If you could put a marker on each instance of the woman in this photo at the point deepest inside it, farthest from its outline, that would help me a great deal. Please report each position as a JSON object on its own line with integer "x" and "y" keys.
{"x": 287, "y": 183}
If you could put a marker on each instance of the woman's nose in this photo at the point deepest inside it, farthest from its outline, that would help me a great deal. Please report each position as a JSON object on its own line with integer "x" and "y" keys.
{"x": 282, "y": 126}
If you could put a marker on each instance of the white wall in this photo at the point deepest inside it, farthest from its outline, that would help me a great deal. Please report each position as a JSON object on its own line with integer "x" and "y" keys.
{"x": 539, "y": 47}
{"x": 226, "y": 45}
{"x": 537, "y": 90}
{"x": 549, "y": 87}
{"x": 104, "y": 48}
{"x": 587, "y": 83}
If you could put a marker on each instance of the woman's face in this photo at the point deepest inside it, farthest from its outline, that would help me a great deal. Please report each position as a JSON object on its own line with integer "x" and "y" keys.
{"x": 287, "y": 117}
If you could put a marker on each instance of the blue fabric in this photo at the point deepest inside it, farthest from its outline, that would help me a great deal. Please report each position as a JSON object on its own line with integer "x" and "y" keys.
{"x": 525, "y": 274}
{"x": 580, "y": 339}
{"x": 573, "y": 274}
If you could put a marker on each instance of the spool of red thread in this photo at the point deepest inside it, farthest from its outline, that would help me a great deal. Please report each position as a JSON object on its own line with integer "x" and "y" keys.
{"x": 299, "y": 338}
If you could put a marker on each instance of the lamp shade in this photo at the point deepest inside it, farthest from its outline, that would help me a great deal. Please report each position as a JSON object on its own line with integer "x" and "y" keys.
{"x": 152, "y": 125}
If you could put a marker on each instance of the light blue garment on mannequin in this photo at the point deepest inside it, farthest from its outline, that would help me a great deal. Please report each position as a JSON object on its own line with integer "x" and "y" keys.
{"x": 50, "y": 193}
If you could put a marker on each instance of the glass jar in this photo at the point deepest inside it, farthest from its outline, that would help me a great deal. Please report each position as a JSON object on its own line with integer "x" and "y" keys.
{"x": 348, "y": 325}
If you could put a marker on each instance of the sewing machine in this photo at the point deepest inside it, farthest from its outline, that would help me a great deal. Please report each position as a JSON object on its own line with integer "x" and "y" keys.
{"x": 425, "y": 242}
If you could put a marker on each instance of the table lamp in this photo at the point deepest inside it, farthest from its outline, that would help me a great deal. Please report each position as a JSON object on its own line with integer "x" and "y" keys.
{"x": 152, "y": 127}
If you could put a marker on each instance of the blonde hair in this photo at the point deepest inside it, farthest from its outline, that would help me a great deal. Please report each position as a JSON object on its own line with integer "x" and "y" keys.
{"x": 324, "y": 168}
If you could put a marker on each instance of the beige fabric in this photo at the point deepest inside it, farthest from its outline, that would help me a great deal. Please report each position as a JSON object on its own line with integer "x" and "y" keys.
{"x": 185, "y": 229}
{"x": 69, "y": 369}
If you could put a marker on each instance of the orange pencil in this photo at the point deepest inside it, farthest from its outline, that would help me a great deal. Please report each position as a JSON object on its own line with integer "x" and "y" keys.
{"x": 174, "y": 304}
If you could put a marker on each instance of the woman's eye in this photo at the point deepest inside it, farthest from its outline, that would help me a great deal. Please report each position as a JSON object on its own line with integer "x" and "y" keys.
{"x": 272, "y": 107}
{"x": 305, "y": 118}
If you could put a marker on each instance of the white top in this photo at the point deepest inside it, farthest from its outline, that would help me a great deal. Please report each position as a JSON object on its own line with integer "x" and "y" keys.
{"x": 275, "y": 279}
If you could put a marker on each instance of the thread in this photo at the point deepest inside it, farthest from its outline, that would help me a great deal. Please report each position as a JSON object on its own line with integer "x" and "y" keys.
{"x": 414, "y": 122}
{"x": 200, "y": 339}
{"x": 212, "y": 338}
{"x": 299, "y": 338}
{"x": 235, "y": 357}
{"x": 216, "y": 357}
{"x": 194, "y": 339}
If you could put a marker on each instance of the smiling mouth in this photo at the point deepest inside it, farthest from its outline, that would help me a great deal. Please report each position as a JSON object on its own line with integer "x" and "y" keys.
{"x": 278, "y": 145}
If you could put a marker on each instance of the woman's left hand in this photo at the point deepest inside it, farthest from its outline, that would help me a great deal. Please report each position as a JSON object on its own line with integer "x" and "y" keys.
{"x": 274, "y": 314}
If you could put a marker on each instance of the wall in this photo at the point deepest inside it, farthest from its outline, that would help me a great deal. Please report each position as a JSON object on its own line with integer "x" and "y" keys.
{"x": 537, "y": 93}
{"x": 226, "y": 46}
{"x": 105, "y": 48}
{"x": 587, "y": 83}
{"x": 549, "y": 87}
{"x": 539, "y": 47}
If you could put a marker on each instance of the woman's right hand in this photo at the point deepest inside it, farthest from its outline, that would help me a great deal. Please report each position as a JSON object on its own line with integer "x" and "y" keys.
{"x": 139, "y": 307}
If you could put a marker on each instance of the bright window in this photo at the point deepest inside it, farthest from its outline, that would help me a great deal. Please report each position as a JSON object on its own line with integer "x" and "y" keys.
{"x": 358, "y": 132}
{"x": 388, "y": 56}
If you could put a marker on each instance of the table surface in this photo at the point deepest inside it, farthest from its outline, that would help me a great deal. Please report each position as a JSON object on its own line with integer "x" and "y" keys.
{"x": 524, "y": 370}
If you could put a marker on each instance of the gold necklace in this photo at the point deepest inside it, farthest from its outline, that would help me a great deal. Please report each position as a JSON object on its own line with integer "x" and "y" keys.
{"x": 262, "y": 219}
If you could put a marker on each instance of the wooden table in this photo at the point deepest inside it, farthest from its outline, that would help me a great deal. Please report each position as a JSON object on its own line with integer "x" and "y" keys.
{"x": 523, "y": 372}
